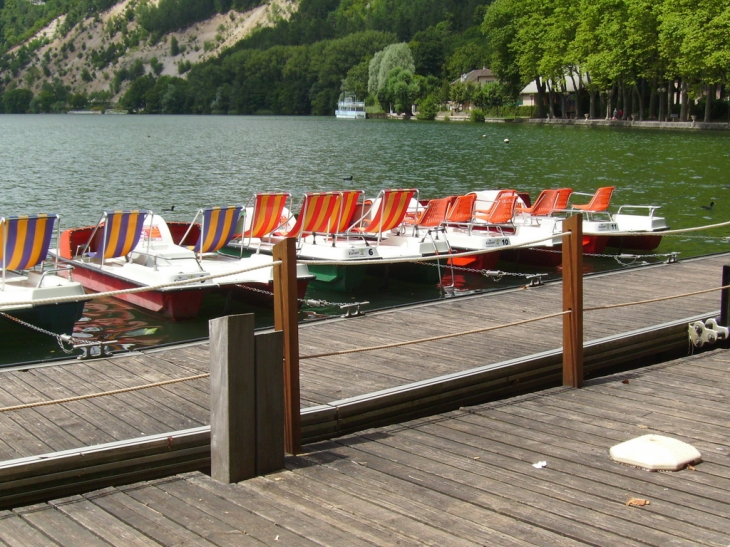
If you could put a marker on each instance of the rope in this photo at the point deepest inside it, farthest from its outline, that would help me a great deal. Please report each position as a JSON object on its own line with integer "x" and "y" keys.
{"x": 660, "y": 299}
{"x": 143, "y": 289}
{"x": 434, "y": 338}
{"x": 102, "y": 394}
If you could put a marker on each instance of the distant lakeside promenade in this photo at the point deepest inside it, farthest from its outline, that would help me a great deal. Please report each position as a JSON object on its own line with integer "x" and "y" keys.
{"x": 644, "y": 124}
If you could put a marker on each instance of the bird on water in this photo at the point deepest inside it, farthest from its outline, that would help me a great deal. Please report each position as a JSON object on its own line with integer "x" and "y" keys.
{"x": 708, "y": 207}
{"x": 169, "y": 210}
{"x": 347, "y": 178}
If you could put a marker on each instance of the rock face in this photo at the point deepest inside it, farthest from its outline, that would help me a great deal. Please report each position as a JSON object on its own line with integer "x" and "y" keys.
{"x": 88, "y": 57}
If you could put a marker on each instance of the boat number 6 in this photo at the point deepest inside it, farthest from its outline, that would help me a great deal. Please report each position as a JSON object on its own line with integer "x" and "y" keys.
{"x": 370, "y": 252}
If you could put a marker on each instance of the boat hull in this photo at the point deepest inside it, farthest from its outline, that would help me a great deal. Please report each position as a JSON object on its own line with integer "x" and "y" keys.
{"x": 635, "y": 243}
{"x": 175, "y": 305}
{"x": 56, "y": 318}
{"x": 338, "y": 278}
{"x": 487, "y": 261}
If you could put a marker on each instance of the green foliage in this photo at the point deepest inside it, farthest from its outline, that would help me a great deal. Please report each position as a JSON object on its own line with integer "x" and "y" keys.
{"x": 428, "y": 109}
{"x": 174, "y": 47}
{"x": 17, "y": 101}
{"x": 477, "y": 115}
{"x": 156, "y": 66}
{"x": 401, "y": 89}
{"x": 135, "y": 98}
{"x": 393, "y": 56}
{"x": 20, "y": 19}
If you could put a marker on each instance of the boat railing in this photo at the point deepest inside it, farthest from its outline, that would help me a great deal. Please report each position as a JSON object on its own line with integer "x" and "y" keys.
{"x": 651, "y": 208}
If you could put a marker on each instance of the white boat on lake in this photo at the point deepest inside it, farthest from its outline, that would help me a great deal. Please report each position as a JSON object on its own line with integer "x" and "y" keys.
{"x": 349, "y": 108}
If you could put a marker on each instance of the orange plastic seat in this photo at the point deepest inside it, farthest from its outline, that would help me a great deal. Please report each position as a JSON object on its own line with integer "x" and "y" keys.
{"x": 544, "y": 205}
{"x": 599, "y": 202}
{"x": 462, "y": 209}
{"x": 561, "y": 204}
{"x": 502, "y": 211}
{"x": 434, "y": 213}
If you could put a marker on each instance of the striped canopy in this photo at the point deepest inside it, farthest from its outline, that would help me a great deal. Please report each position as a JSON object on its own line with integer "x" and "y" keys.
{"x": 267, "y": 212}
{"x": 347, "y": 203}
{"x": 24, "y": 240}
{"x": 218, "y": 227}
{"x": 393, "y": 207}
{"x": 120, "y": 232}
{"x": 316, "y": 213}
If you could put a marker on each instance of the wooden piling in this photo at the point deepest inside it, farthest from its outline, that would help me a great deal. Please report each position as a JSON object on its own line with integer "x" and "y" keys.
{"x": 286, "y": 320}
{"x": 725, "y": 298}
{"x": 246, "y": 400}
{"x": 573, "y": 302}
{"x": 232, "y": 398}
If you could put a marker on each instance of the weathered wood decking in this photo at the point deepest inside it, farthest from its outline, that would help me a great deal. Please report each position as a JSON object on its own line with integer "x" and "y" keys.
{"x": 185, "y": 405}
{"x": 461, "y": 479}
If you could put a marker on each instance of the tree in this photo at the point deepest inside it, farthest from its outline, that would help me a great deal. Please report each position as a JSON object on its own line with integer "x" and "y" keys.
{"x": 135, "y": 98}
{"x": 401, "y": 89}
{"x": 395, "y": 55}
{"x": 428, "y": 109}
{"x": 17, "y": 101}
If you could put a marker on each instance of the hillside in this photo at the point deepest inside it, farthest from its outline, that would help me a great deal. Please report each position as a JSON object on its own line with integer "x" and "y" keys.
{"x": 91, "y": 58}
{"x": 256, "y": 56}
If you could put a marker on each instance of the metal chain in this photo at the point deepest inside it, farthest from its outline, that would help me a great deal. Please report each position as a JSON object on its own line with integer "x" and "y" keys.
{"x": 308, "y": 301}
{"x": 60, "y": 338}
{"x": 497, "y": 275}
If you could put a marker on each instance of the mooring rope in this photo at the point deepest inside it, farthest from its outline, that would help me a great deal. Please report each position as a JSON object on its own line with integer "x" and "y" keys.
{"x": 660, "y": 299}
{"x": 102, "y": 394}
{"x": 434, "y": 338}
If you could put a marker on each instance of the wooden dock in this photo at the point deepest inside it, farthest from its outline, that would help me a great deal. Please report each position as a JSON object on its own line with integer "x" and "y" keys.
{"x": 329, "y": 379}
{"x": 464, "y": 478}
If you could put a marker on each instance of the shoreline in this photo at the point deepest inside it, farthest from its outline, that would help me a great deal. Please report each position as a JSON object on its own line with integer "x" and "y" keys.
{"x": 646, "y": 124}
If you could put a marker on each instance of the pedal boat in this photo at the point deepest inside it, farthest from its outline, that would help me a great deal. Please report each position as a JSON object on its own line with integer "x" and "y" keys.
{"x": 135, "y": 248}
{"x": 26, "y": 276}
{"x": 338, "y": 227}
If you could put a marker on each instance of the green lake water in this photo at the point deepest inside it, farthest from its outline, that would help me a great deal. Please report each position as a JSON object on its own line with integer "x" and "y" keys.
{"x": 78, "y": 166}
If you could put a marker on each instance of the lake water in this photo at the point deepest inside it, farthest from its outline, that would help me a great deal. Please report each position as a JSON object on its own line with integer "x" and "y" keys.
{"x": 78, "y": 166}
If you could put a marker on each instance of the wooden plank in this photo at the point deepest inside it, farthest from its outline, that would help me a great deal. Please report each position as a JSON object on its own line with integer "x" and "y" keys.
{"x": 15, "y": 532}
{"x": 280, "y": 510}
{"x": 483, "y": 493}
{"x": 59, "y": 527}
{"x": 146, "y": 520}
{"x": 210, "y": 503}
{"x": 101, "y": 523}
{"x": 206, "y": 526}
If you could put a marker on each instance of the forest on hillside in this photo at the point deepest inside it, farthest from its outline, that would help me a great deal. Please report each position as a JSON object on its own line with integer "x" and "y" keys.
{"x": 645, "y": 57}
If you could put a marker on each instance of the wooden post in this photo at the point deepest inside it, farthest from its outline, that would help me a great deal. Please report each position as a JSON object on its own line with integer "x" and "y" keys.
{"x": 286, "y": 319}
{"x": 725, "y": 298}
{"x": 269, "y": 403}
{"x": 232, "y": 399}
{"x": 573, "y": 301}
